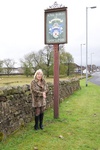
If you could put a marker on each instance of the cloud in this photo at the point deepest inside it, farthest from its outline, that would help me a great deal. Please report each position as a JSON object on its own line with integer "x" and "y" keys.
{"x": 22, "y": 28}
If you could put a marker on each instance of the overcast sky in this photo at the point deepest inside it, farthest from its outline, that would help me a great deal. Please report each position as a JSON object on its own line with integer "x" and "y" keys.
{"x": 22, "y": 28}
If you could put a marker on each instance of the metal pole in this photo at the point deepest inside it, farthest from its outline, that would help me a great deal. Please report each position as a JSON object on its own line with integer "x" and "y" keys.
{"x": 86, "y": 46}
{"x": 91, "y": 62}
{"x": 81, "y": 60}
{"x": 87, "y": 43}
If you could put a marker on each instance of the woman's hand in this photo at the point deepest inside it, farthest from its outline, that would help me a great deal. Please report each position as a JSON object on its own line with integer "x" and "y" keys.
{"x": 44, "y": 95}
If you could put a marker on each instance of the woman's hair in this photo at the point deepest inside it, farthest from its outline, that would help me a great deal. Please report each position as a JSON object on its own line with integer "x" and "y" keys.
{"x": 39, "y": 70}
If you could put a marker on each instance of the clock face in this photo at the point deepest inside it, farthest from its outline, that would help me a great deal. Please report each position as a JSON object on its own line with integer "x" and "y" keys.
{"x": 56, "y": 27}
{"x": 55, "y": 34}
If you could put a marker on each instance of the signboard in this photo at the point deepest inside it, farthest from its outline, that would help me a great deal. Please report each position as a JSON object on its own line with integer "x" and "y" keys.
{"x": 56, "y": 26}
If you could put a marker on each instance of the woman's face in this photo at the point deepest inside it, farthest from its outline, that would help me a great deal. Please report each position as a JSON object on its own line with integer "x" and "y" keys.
{"x": 39, "y": 76}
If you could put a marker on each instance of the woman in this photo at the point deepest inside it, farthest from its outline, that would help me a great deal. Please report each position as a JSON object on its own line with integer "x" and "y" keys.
{"x": 39, "y": 89}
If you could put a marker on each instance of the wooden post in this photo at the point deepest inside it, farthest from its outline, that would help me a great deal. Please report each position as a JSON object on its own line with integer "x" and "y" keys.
{"x": 56, "y": 80}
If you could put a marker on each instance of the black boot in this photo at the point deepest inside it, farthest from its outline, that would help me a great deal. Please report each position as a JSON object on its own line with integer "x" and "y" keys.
{"x": 36, "y": 123}
{"x": 41, "y": 120}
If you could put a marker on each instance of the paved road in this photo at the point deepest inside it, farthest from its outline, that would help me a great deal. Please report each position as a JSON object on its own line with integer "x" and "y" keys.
{"x": 95, "y": 78}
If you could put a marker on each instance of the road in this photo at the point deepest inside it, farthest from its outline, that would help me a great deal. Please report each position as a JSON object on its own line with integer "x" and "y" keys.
{"x": 95, "y": 78}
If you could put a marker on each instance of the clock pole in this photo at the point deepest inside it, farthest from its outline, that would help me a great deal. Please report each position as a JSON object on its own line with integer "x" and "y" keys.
{"x": 55, "y": 33}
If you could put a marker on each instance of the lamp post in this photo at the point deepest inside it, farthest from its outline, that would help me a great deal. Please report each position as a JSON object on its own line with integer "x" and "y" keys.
{"x": 81, "y": 59}
{"x": 87, "y": 43}
{"x": 91, "y": 62}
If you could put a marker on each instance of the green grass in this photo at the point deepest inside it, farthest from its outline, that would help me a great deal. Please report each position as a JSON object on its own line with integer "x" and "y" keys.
{"x": 14, "y": 80}
{"x": 77, "y": 128}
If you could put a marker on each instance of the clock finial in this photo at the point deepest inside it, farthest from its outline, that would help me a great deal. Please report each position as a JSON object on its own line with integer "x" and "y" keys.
{"x": 56, "y": 5}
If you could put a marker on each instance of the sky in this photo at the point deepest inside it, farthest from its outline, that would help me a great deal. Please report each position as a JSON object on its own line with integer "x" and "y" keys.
{"x": 22, "y": 28}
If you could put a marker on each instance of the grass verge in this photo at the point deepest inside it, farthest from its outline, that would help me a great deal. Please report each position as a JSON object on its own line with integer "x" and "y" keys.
{"x": 77, "y": 128}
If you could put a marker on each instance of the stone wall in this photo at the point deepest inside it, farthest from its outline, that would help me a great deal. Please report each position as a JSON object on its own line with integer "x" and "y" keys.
{"x": 16, "y": 105}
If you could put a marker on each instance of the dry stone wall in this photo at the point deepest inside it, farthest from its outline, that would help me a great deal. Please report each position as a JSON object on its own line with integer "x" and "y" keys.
{"x": 16, "y": 105}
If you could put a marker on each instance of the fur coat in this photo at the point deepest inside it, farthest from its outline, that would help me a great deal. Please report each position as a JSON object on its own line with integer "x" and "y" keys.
{"x": 37, "y": 89}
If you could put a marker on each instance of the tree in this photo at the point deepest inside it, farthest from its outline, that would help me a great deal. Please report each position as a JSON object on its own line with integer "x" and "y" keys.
{"x": 70, "y": 66}
{"x": 44, "y": 59}
{"x": 65, "y": 59}
{"x": 1, "y": 66}
{"x": 27, "y": 65}
{"x": 9, "y": 65}
{"x": 46, "y": 62}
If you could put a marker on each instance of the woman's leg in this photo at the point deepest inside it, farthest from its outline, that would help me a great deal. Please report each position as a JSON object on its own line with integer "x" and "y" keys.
{"x": 41, "y": 117}
{"x": 37, "y": 114}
